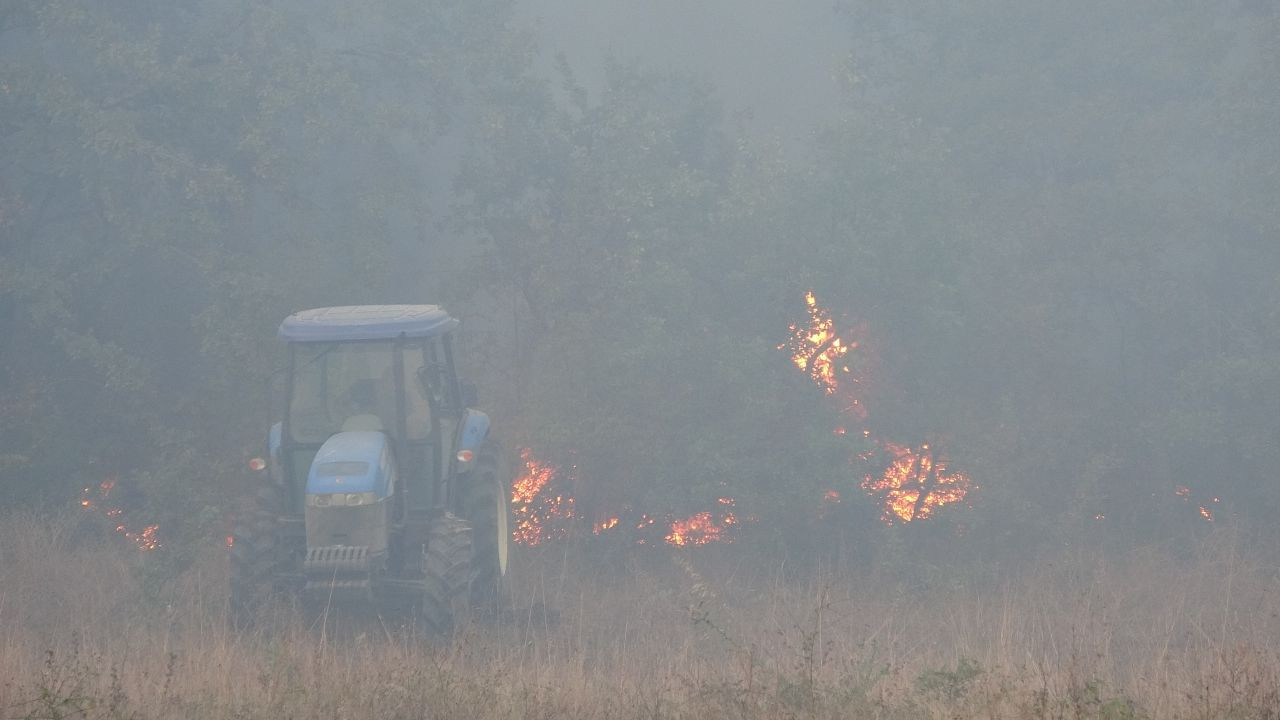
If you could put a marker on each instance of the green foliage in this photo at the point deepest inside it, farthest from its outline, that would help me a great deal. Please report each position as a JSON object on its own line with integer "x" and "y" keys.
{"x": 1056, "y": 225}
{"x": 169, "y": 193}
{"x": 949, "y": 685}
{"x": 1095, "y": 263}
{"x": 634, "y": 368}
{"x": 1010, "y": 300}
{"x": 1091, "y": 701}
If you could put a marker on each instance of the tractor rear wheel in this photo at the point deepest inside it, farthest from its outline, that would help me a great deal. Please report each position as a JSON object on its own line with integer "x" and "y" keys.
{"x": 446, "y": 569}
{"x": 257, "y": 555}
{"x": 485, "y": 507}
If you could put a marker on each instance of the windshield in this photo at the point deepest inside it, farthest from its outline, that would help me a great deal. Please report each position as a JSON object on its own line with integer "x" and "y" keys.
{"x": 351, "y": 386}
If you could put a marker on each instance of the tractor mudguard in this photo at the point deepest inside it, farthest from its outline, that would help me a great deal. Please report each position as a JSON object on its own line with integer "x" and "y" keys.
{"x": 475, "y": 429}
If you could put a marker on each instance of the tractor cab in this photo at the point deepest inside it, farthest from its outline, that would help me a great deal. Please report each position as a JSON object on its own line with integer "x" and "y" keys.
{"x": 372, "y": 369}
{"x": 382, "y": 480}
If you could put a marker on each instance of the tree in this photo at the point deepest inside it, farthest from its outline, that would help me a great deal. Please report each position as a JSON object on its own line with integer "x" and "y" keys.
{"x": 174, "y": 181}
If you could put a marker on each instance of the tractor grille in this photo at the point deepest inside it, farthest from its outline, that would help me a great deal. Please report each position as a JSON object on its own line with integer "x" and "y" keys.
{"x": 337, "y": 558}
{"x": 339, "y": 570}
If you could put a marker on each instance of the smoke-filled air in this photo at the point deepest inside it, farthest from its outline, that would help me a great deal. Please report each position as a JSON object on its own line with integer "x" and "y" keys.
{"x": 639, "y": 359}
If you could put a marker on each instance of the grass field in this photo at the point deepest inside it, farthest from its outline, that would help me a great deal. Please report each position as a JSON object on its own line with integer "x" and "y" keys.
{"x": 89, "y": 628}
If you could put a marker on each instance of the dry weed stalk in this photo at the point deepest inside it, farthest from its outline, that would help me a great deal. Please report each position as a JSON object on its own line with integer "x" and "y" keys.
{"x": 1138, "y": 634}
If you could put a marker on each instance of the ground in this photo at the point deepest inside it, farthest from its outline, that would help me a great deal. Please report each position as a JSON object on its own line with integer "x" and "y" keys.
{"x": 97, "y": 630}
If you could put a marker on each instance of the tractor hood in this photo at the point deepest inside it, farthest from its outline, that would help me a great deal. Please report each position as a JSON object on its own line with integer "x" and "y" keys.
{"x": 351, "y": 462}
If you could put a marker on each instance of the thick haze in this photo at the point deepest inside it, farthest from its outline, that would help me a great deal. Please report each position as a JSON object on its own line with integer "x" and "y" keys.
{"x": 774, "y": 65}
{"x": 1051, "y": 229}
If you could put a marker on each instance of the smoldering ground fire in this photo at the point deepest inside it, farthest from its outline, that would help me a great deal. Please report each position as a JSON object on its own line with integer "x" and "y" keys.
{"x": 544, "y": 512}
{"x": 96, "y": 498}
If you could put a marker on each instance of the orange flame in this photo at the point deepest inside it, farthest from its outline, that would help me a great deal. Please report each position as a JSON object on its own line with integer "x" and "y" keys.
{"x": 539, "y": 514}
{"x": 818, "y": 351}
{"x": 703, "y": 528}
{"x": 915, "y": 484}
{"x": 698, "y": 529}
{"x": 530, "y": 482}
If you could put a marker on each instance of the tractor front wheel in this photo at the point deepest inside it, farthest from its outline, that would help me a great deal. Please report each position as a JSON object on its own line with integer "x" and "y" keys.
{"x": 257, "y": 555}
{"x": 485, "y": 507}
{"x": 446, "y": 568}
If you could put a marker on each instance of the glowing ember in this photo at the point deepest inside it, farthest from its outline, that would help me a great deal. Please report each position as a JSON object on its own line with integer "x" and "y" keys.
{"x": 539, "y": 514}
{"x": 145, "y": 540}
{"x": 609, "y": 524}
{"x": 1185, "y": 493}
{"x": 915, "y": 484}
{"x": 831, "y": 496}
{"x": 93, "y": 498}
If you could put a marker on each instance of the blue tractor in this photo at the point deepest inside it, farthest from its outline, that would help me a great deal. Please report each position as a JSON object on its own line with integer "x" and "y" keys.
{"x": 382, "y": 485}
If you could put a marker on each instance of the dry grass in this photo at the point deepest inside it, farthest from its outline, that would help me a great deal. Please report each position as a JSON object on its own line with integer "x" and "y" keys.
{"x": 87, "y": 631}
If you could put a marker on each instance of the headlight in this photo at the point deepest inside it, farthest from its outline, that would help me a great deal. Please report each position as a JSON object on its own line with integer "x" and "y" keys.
{"x": 341, "y": 499}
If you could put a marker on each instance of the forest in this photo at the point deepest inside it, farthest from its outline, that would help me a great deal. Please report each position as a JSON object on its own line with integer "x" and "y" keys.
{"x": 1023, "y": 257}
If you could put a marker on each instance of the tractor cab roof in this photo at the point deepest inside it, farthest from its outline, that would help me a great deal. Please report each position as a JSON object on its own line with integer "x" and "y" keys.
{"x": 366, "y": 322}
